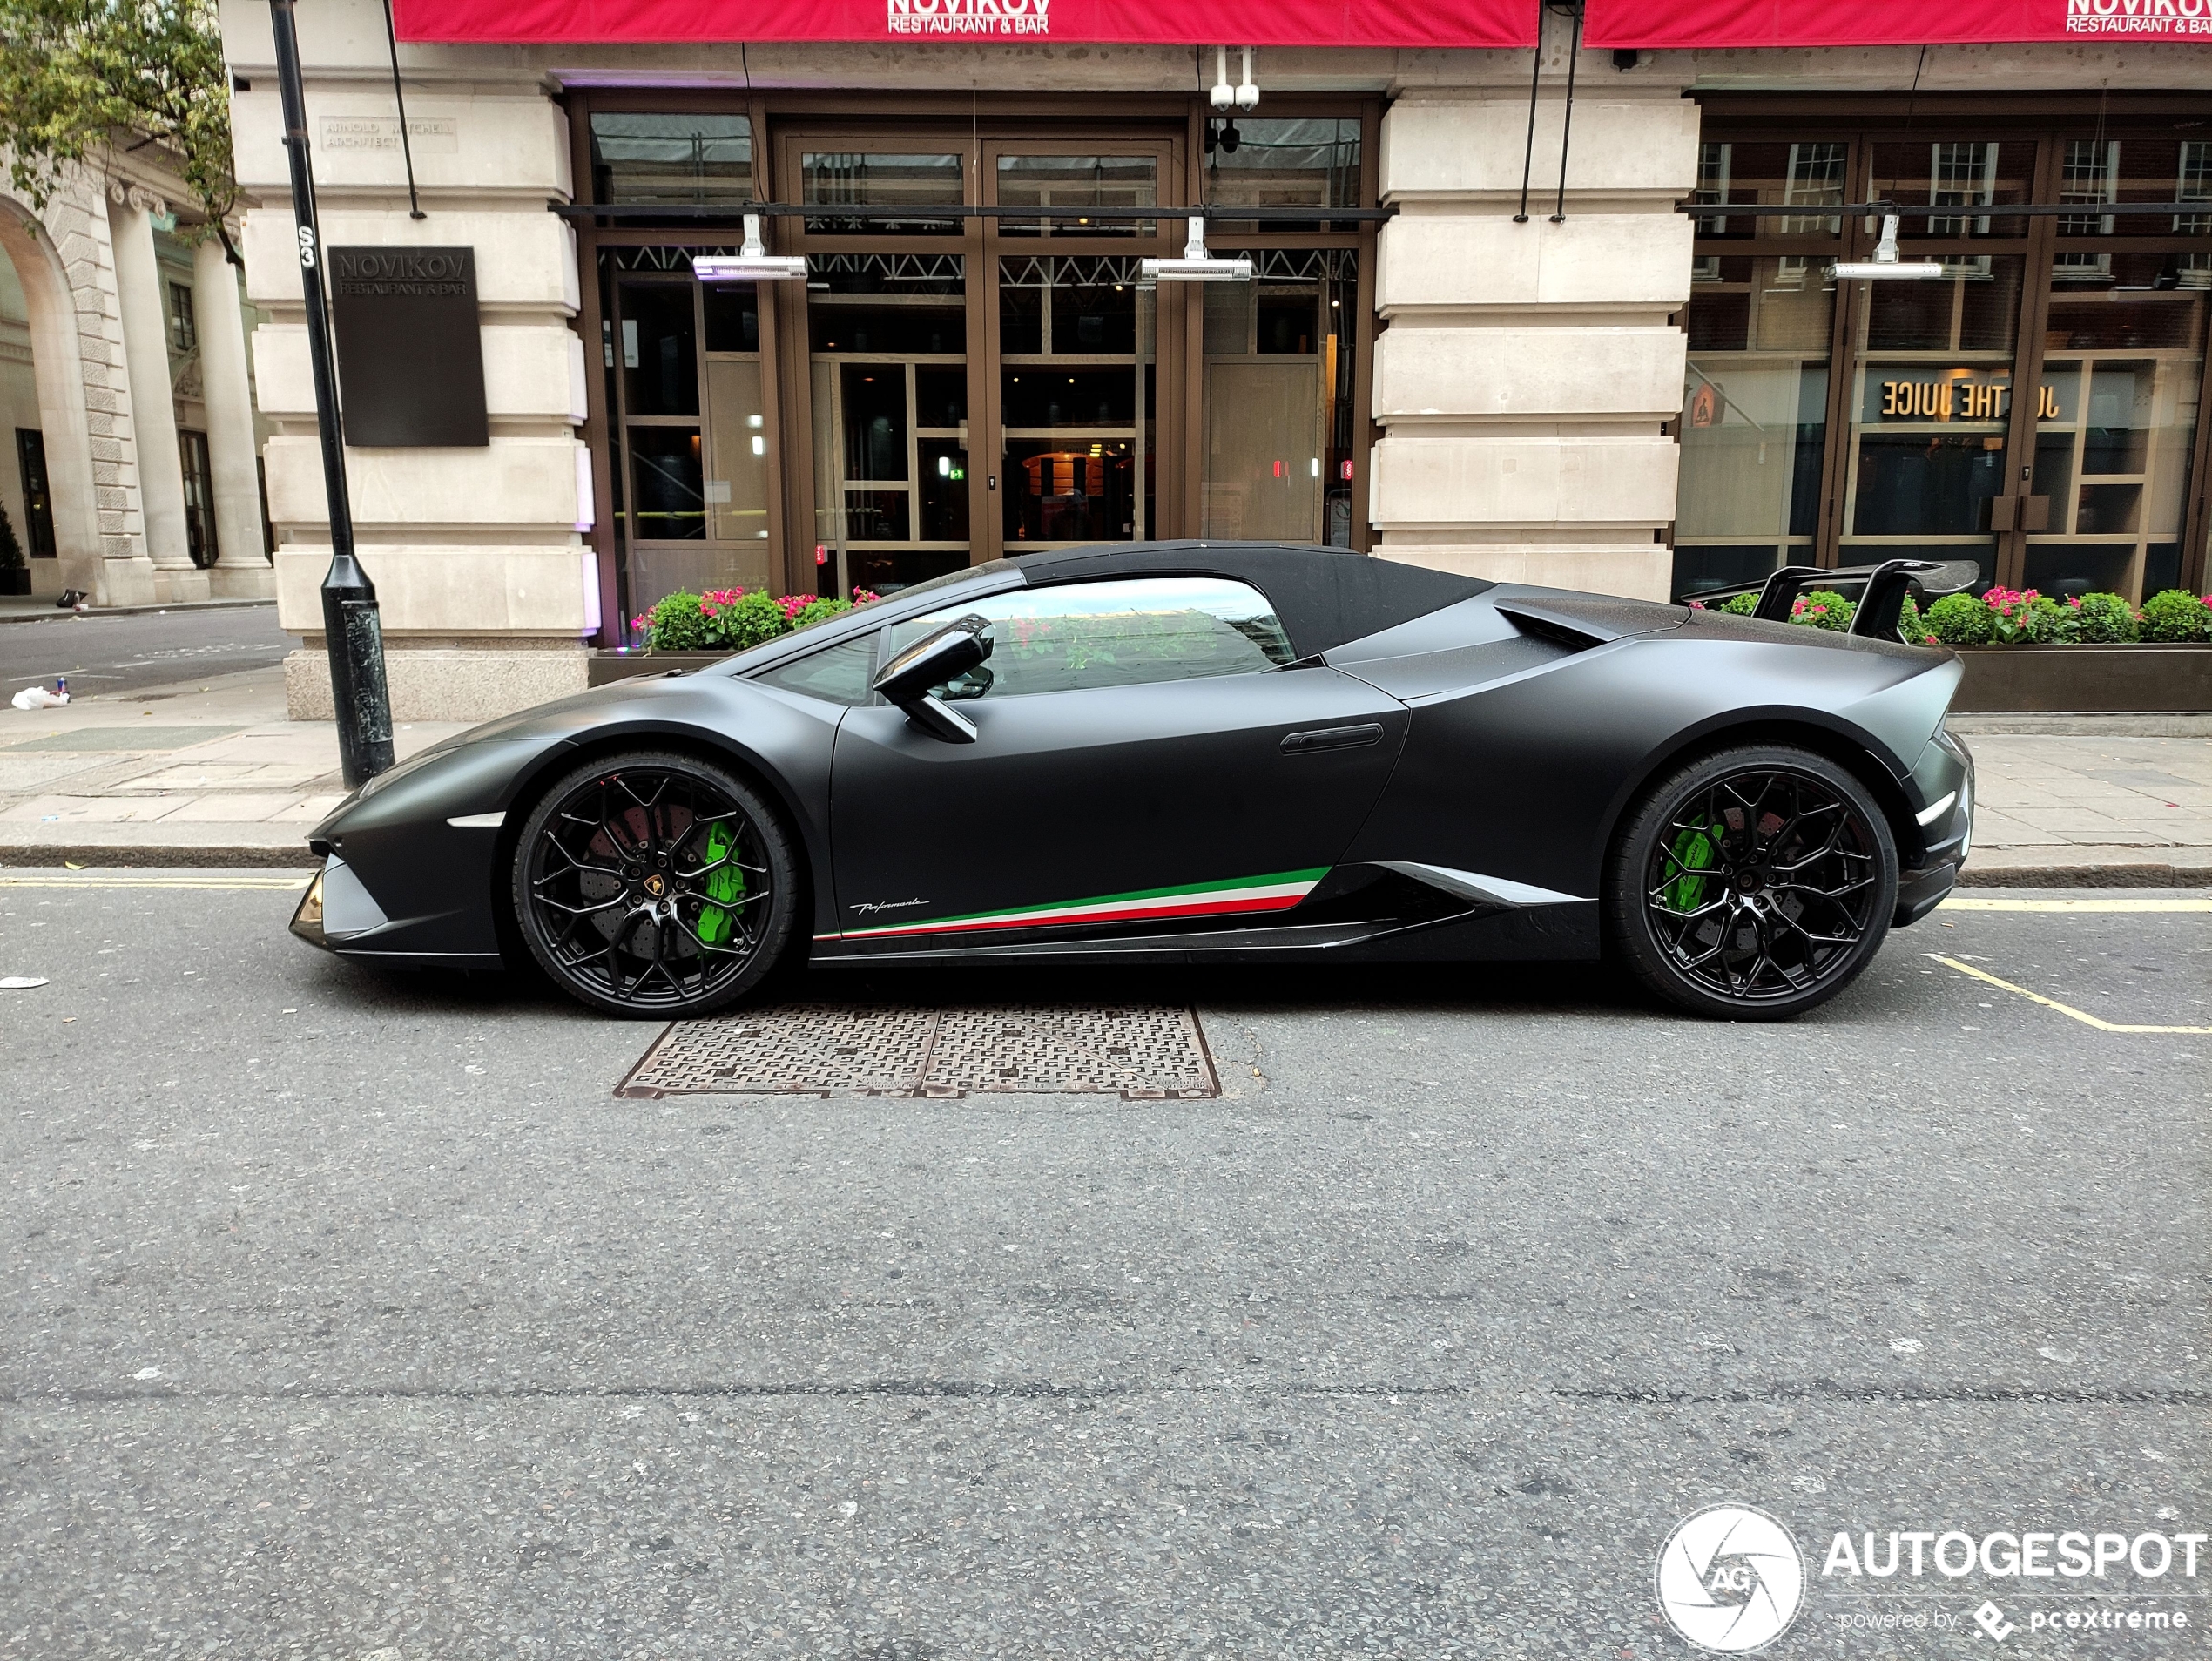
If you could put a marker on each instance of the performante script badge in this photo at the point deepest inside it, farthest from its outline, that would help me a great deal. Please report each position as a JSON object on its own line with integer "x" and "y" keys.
{"x": 1730, "y": 1579}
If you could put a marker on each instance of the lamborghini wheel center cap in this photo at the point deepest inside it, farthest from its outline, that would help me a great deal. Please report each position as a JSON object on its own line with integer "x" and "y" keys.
{"x": 656, "y": 885}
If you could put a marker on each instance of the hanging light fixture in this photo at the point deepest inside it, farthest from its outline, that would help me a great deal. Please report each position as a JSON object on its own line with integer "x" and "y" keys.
{"x": 1223, "y": 96}
{"x": 1885, "y": 263}
{"x": 1247, "y": 92}
{"x": 1196, "y": 264}
{"x": 752, "y": 263}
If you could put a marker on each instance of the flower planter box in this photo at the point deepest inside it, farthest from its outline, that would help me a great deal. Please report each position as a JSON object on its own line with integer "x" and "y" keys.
{"x": 607, "y": 667}
{"x": 2084, "y": 679}
{"x": 15, "y": 579}
{"x": 2023, "y": 680}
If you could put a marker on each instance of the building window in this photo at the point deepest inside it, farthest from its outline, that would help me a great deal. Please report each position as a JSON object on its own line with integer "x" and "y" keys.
{"x": 37, "y": 505}
{"x": 683, "y": 160}
{"x": 199, "y": 497}
{"x": 1283, "y": 162}
{"x": 684, "y": 370}
{"x": 184, "y": 328}
{"x": 1279, "y": 376}
{"x": 2034, "y": 411}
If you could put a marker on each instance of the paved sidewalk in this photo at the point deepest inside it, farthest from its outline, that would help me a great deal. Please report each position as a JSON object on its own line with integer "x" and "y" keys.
{"x": 2116, "y": 811}
{"x": 204, "y": 772}
{"x": 212, "y": 774}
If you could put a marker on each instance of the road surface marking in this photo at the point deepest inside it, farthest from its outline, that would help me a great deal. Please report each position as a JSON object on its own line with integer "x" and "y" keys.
{"x": 24, "y": 879}
{"x": 2176, "y": 904}
{"x": 2053, "y": 1003}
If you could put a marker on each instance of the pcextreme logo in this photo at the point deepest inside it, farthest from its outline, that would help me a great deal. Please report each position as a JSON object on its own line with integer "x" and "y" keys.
{"x": 1730, "y": 1579}
{"x": 974, "y": 19}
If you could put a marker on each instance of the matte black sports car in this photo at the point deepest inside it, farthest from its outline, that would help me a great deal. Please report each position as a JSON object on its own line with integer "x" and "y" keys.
{"x": 1165, "y": 751}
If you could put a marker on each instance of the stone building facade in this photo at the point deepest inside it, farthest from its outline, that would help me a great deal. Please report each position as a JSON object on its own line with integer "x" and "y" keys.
{"x": 131, "y": 473}
{"x": 1492, "y": 369}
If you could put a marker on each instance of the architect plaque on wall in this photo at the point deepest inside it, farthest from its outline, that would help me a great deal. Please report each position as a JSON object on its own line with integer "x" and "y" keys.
{"x": 410, "y": 361}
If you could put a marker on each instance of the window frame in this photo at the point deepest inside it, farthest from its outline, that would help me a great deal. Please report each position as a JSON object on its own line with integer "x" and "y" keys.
{"x": 2045, "y": 122}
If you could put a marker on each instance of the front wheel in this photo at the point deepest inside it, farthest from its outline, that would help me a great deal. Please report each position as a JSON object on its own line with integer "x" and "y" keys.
{"x": 1754, "y": 884}
{"x": 655, "y": 885}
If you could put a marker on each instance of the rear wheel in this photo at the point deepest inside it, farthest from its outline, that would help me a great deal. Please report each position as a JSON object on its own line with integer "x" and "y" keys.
{"x": 655, "y": 885}
{"x": 1754, "y": 884}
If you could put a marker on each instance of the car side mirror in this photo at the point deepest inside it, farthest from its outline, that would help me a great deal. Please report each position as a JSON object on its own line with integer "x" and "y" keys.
{"x": 944, "y": 656}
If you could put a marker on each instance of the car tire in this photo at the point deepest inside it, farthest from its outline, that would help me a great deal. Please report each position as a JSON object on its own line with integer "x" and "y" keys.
{"x": 1752, "y": 884}
{"x": 656, "y": 885}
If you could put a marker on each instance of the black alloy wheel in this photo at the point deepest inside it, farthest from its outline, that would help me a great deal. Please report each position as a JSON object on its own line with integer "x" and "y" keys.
{"x": 1753, "y": 884}
{"x": 655, "y": 885}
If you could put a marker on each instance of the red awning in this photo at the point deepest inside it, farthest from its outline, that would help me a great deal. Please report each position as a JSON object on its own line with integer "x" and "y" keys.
{"x": 1890, "y": 23}
{"x": 1202, "y": 23}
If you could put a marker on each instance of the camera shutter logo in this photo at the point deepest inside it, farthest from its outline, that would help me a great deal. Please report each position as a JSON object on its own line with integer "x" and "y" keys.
{"x": 1730, "y": 1579}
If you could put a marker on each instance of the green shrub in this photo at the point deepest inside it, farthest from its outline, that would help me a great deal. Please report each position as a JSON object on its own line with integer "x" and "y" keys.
{"x": 2174, "y": 615}
{"x": 730, "y": 619}
{"x": 1741, "y": 605}
{"x": 1911, "y": 627}
{"x": 820, "y": 611}
{"x": 2105, "y": 619}
{"x": 10, "y": 549}
{"x": 1961, "y": 620}
{"x": 676, "y": 623}
{"x": 751, "y": 619}
{"x": 1821, "y": 608}
{"x": 2049, "y": 624}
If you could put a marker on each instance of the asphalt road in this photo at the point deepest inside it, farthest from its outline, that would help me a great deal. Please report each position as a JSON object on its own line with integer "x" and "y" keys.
{"x": 351, "y": 1315}
{"x": 117, "y": 654}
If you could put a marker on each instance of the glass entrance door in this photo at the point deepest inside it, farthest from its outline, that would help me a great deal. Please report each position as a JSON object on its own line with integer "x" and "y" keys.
{"x": 1075, "y": 401}
{"x": 888, "y": 334}
{"x": 979, "y": 384}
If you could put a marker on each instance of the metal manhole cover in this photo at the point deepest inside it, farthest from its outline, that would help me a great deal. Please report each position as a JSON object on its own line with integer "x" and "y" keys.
{"x": 1139, "y": 1050}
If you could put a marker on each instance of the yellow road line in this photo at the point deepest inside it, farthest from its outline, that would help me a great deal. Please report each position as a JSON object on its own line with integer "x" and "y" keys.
{"x": 1958, "y": 903}
{"x": 289, "y": 884}
{"x": 2053, "y": 1003}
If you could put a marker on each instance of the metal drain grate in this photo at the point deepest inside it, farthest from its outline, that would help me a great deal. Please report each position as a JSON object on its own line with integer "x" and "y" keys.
{"x": 1140, "y": 1050}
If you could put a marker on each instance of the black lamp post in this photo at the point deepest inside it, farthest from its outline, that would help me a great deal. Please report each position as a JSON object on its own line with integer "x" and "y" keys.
{"x": 353, "y": 633}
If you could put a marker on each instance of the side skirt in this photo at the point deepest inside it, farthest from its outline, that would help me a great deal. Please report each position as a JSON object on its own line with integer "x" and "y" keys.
{"x": 1567, "y": 932}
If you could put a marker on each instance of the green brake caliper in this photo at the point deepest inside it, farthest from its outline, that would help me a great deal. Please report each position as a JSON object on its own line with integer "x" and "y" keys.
{"x": 725, "y": 884}
{"x": 1693, "y": 851}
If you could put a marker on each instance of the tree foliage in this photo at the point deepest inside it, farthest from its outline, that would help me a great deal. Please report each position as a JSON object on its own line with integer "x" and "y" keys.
{"x": 81, "y": 77}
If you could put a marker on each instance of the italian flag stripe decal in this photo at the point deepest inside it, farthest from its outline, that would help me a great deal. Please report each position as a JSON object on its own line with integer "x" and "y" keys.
{"x": 1276, "y": 892}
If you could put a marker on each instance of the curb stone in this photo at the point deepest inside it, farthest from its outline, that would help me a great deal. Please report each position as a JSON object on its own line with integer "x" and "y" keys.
{"x": 2113, "y": 875}
{"x": 109, "y": 857}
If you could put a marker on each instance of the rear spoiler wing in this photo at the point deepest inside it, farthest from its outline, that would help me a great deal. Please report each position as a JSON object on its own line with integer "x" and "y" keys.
{"x": 1881, "y": 590}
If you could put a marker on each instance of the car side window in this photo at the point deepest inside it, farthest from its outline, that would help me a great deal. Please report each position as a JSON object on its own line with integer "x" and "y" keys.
{"x": 839, "y": 674}
{"x": 1079, "y": 636}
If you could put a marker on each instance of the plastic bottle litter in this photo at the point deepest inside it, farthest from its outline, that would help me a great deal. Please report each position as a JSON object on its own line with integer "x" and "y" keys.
{"x": 39, "y": 697}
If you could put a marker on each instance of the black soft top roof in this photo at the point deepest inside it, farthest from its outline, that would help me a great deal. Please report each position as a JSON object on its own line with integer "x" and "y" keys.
{"x": 1326, "y": 597}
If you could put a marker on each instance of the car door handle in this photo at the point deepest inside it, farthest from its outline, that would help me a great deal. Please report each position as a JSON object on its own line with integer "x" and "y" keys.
{"x": 1333, "y": 737}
